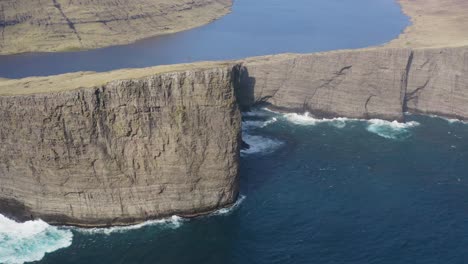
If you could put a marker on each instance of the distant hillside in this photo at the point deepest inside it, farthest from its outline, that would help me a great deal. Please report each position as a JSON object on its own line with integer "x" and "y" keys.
{"x": 64, "y": 25}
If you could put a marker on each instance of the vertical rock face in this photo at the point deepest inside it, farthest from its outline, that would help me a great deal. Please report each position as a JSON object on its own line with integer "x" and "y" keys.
{"x": 438, "y": 82}
{"x": 121, "y": 153}
{"x": 358, "y": 84}
{"x": 168, "y": 144}
{"x": 372, "y": 83}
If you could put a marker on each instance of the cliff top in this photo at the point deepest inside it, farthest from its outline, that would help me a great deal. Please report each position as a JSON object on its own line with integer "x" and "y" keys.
{"x": 77, "y": 80}
{"x": 435, "y": 23}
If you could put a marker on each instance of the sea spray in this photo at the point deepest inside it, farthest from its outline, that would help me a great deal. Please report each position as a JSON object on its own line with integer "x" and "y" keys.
{"x": 382, "y": 128}
{"x": 390, "y": 130}
{"x": 172, "y": 222}
{"x": 306, "y": 119}
{"x": 256, "y": 113}
{"x": 258, "y": 144}
{"x": 450, "y": 120}
{"x": 229, "y": 210}
{"x": 252, "y": 124}
{"x": 30, "y": 241}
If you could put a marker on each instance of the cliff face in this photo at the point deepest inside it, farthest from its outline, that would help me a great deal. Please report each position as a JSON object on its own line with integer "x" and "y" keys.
{"x": 438, "y": 82}
{"x": 168, "y": 143}
{"x": 372, "y": 83}
{"x": 61, "y": 25}
{"x": 123, "y": 152}
{"x": 358, "y": 84}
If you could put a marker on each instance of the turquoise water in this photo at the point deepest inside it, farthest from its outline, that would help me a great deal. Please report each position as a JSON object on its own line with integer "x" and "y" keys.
{"x": 317, "y": 191}
{"x": 255, "y": 27}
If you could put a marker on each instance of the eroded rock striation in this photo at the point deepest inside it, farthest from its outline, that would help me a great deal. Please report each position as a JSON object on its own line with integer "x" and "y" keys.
{"x": 358, "y": 84}
{"x": 122, "y": 152}
{"x": 438, "y": 82}
{"x": 369, "y": 83}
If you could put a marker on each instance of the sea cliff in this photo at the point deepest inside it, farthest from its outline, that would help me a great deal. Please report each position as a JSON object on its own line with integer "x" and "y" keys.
{"x": 369, "y": 83}
{"x": 122, "y": 152}
{"x": 99, "y": 149}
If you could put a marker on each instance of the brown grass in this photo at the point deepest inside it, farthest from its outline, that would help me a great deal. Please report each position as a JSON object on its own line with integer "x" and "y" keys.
{"x": 435, "y": 23}
{"x": 71, "y": 81}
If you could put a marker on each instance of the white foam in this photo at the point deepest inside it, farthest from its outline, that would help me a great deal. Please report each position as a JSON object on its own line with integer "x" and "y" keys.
{"x": 229, "y": 210}
{"x": 172, "y": 222}
{"x": 450, "y": 120}
{"x": 454, "y": 121}
{"x": 250, "y": 124}
{"x": 30, "y": 241}
{"x": 270, "y": 121}
{"x": 269, "y": 110}
{"x": 386, "y": 129}
{"x": 390, "y": 130}
{"x": 260, "y": 144}
{"x": 255, "y": 113}
{"x": 307, "y": 120}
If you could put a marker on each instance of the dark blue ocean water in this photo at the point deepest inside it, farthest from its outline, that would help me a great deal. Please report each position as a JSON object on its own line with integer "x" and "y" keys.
{"x": 255, "y": 27}
{"x": 320, "y": 192}
{"x": 326, "y": 192}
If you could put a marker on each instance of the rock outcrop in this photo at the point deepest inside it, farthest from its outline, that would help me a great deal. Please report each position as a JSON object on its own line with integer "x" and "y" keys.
{"x": 438, "y": 83}
{"x": 122, "y": 152}
{"x": 63, "y": 25}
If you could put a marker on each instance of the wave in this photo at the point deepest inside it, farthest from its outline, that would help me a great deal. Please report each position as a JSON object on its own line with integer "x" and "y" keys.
{"x": 390, "y": 130}
{"x": 383, "y": 128}
{"x": 172, "y": 222}
{"x": 250, "y": 124}
{"x": 457, "y": 121}
{"x": 450, "y": 120}
{"x": 229, "y": 210}
{"x": 260, "y": 144}
{"x": 255, "y": 113}
{"x": 30, "y": 241}
{"x": 307, "y": 120}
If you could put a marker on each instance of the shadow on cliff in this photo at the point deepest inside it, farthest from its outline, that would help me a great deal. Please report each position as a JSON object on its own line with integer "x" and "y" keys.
{"x": 244, "y": 88}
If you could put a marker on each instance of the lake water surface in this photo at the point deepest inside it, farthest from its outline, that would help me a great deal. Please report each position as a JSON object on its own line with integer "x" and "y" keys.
{"x": 255, "y": 27}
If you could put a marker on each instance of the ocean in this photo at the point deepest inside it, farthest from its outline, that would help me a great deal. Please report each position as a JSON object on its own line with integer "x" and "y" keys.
{"x": 312, "y": 191}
